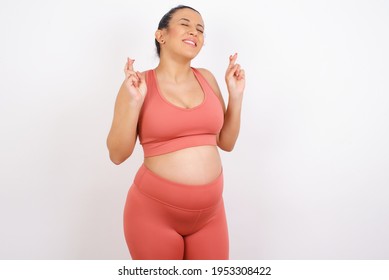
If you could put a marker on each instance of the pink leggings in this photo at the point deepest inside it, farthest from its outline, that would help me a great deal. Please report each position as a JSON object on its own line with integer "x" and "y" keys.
{"x": 168, "y": 220}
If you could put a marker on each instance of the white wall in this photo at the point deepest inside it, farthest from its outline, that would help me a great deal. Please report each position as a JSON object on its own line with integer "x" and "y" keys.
{"x": 308, "y": 178}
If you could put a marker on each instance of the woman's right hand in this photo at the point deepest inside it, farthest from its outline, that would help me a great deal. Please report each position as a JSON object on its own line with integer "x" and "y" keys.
{"x": 135, "y": 83}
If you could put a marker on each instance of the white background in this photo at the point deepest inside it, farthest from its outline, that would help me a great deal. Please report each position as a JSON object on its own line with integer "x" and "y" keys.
{"x": 308, "y": 178}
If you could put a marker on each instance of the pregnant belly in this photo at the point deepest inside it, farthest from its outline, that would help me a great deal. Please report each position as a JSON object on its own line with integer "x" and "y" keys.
{"x": 192, "y": 166}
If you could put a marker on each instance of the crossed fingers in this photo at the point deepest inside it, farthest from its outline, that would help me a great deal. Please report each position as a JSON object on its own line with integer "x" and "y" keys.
{"x": 235, "y": 69}
{"x": 131, "y": 75}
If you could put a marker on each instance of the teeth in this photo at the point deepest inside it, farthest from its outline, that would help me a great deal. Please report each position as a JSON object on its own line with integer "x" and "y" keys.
{"x": 190, "y": 42}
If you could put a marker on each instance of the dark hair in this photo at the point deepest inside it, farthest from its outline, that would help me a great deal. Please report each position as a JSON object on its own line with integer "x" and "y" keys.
{"x": 165, "y": 20}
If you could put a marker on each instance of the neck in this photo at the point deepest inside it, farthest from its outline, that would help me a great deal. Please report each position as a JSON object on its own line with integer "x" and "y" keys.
{"x": 173, "y": 70}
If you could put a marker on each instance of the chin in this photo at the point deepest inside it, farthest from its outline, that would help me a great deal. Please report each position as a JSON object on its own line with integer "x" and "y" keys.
{"x": 190, "y": 55}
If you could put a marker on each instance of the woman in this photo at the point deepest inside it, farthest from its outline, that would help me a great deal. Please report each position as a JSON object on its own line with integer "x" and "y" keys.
{"x": 174, "y": 209}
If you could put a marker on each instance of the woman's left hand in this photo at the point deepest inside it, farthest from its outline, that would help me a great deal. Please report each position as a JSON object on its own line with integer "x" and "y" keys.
{"x": 235, "y": 78}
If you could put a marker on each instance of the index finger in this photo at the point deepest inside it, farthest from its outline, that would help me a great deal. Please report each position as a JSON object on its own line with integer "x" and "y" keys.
{"x": 233, "y": 60}
{"x": 130, "y": 64}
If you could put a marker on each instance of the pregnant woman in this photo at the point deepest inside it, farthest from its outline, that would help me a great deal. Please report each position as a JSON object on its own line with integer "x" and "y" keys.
{"x": 174, "y": 208}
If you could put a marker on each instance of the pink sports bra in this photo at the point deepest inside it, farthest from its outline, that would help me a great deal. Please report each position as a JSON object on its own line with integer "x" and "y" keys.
{"x": 164, "y": 127}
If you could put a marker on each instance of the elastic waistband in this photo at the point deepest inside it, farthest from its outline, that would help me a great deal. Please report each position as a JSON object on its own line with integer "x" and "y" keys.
{"x": 188, "y": 197}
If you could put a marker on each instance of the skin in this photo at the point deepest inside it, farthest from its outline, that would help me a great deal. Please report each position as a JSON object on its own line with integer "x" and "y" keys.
{"x": 178, "y": 85}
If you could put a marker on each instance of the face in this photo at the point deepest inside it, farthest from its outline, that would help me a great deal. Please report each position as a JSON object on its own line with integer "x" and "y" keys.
{"x": 185, "y": 34}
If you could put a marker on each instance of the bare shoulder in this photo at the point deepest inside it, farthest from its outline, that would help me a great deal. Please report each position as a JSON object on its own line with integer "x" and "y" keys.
{"x": 207, "y": 75}
{"x": 210, "y": 79}
{"x": 213, "y": 83}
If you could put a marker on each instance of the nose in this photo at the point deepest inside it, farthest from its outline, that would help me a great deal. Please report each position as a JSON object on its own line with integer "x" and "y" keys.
{"x": 193, "y": 32}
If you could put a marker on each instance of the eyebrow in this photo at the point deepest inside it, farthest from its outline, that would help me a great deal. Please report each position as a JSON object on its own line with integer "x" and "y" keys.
{"x": 189, "y": 21}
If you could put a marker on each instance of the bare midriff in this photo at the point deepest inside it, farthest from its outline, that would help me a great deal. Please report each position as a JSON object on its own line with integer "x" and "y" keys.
{"x": 191, "y": 166}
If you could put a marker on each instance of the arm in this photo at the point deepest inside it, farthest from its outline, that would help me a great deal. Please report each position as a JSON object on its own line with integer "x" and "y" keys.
{"x": 231, "y": 127}
{"x": 235, "y": 80}
{"x": 123, "y": 133}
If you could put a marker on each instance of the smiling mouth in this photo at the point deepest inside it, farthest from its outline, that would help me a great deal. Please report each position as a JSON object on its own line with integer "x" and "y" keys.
{"x": 189, "y": 42}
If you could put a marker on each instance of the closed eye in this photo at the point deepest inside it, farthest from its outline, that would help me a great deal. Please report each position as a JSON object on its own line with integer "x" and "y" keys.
{"x": 185, "y": 22}
{"x": 187, "y": 25}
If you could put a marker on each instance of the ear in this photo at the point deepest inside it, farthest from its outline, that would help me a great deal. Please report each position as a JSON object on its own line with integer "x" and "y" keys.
{"x": 159, "y": 36}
